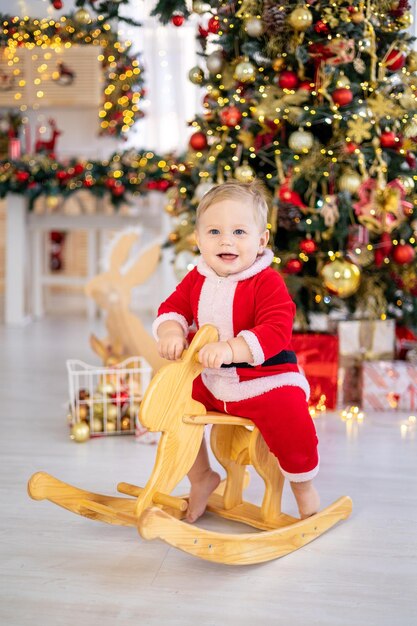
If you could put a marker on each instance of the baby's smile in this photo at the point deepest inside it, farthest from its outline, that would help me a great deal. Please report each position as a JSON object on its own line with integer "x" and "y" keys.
{"x": 227, "y": 256}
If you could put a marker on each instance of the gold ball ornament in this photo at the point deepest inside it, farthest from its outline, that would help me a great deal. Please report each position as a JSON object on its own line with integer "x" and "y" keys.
{"x": 200, "y": 7}
{"x": 349, "y": 181}
{"x": 300, "y": 141}
{"x": 111, "y": 413}
{"x": 357, "y": 17}
{"x": 111, "y": 427}
{"x": 245, "y": 72}
{"x": 196, "y": 75}
{"x": 125, "y": 423}
{"x": 405, "y": 20}
{"x": 278, "y": 64}
{"x": 82, "y": 16}
{"x": 343, "y": 81}
{"x": 254, "y": 26}
{"x": 96, "y": 425}
{"x": 300, "y": 19}
{"x": 244, "y": 173}
{"x": 82, "y": 412}
{"x": 341, "y": 278}
{"x": 80, "y": 432}
{"x": 52, "y": 202}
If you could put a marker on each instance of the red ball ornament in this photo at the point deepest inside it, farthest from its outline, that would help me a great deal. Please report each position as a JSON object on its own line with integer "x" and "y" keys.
{"x": 403, "y": 254}
{"x": 213, "y": 25}
{"x": 118, "y": 190}
{"x": 342, "y": 96}
{"x": 22, "y": 176}
{"x": 57, "y": 4}
{"x": 178, "y": 19}
{"x": 230, "y": 116}
{"x": 308, "y": 246}
{"x": 288, "y": 80}
{"x": 388, "y": 139}
{"x": 293, "y": 266}
{"x": 61, "y": 175}
{"x": 78, "y": 169}
{"x": 88, "y": 182}
{"x": 395, "y": 60}
{"x": 350, "y": 147}
{"x": 198, "y": 141}
{"x": 321, "y": 28}
{"x": 307, "y": 85}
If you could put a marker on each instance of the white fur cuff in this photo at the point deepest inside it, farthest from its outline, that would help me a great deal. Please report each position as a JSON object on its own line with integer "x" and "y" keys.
{"x": 254, "y": 346}
{"x": 302, "y": 477}
{"x": 169, "y": 317}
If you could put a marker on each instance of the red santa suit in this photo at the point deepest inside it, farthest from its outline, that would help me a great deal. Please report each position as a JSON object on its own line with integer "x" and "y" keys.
{"x": 253, "y": 304}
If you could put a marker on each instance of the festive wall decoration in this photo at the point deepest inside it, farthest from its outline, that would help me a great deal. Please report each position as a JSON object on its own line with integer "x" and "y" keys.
{"x": 120, "y": 176}
{"x": 57, "y": 55}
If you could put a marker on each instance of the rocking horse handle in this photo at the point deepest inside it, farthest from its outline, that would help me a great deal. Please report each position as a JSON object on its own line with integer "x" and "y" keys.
{"x": 206, "y": 334}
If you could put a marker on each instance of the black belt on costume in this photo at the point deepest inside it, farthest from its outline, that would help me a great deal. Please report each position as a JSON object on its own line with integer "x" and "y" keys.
{"x": 285, "y": 356}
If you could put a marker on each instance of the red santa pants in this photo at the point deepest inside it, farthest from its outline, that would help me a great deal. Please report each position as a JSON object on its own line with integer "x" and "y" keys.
{"x": 283, "y": 418}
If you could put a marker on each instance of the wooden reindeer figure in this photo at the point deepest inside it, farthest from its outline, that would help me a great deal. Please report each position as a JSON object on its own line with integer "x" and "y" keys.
{"x": 48, "y": 145}
{"x": 112, "y": 292}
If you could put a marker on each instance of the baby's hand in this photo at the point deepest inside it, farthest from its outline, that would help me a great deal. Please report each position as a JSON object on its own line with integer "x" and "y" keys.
{"x": 213, "y": 355}
{"x": 171, "y": 347}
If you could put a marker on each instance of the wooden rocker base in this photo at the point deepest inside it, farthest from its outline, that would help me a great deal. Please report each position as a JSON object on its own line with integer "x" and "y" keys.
{"x": 169, "y": 408}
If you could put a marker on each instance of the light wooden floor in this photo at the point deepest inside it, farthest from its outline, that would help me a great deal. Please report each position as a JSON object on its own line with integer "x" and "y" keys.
{"x": 60, "y": 569}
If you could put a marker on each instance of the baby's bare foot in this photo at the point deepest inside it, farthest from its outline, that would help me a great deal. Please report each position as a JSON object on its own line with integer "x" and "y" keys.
{"x": 199, "y": 494}
{"x": 308, "y": 500}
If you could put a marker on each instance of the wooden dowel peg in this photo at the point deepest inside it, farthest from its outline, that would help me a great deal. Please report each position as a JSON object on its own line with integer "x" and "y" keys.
{"x": 179, "y": 504}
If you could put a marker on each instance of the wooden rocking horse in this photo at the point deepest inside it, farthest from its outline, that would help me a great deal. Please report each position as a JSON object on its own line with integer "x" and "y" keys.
{"x": 168, "y": 407}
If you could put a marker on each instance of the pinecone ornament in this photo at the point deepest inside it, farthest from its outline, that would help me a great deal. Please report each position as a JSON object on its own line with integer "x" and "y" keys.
{"x": 274, "y": 16}
{"x": 288, "y": 216}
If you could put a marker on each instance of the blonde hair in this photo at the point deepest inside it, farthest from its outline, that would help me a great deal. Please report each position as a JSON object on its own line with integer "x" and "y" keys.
{"x": 233, "y": 189}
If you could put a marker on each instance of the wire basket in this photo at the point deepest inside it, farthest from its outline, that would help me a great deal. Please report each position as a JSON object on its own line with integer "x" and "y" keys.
{"x": 107, "y": 398}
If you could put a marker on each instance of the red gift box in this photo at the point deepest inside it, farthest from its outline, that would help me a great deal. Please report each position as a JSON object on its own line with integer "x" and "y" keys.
{"x": 318, "y": 356}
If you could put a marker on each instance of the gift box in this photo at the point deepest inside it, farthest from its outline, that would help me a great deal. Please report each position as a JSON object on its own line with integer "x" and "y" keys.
{"x": 317, "y": 355}
{"x": 389, "y": 385}
{"x": 360, "y": 341}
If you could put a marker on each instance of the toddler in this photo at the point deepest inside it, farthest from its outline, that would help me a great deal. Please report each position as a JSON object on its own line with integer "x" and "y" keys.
{"x": 251, "y": 371}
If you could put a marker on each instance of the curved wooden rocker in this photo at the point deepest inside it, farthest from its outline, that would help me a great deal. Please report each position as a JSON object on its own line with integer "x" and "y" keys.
{"x": 168, "y": 407}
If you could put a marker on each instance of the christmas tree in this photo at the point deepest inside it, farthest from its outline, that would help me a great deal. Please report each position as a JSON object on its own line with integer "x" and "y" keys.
{"x": 318, "y": 99}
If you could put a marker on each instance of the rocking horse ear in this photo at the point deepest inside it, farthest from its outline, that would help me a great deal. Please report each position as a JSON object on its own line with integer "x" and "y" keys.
{"x": 120, "y": 250}
{"x": 206, "y": 334}
{"x": 143, "y": 267}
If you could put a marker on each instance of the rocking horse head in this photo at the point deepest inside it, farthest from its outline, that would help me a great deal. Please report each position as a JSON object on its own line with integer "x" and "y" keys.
{"x": 168, "y": 397}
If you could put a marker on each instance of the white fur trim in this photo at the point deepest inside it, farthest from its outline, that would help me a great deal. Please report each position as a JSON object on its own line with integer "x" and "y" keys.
{"x": 169, "y": 317}
{"x": 226, "y": 386}
{"x": 302, "y": 477}
{"x": 254, "y": 346}
{"x": 263, "y": 261}
{"x": 215, "y": 305}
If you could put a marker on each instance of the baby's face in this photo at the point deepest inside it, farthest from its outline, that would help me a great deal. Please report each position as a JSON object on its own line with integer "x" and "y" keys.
{"x": 229, "y": 237}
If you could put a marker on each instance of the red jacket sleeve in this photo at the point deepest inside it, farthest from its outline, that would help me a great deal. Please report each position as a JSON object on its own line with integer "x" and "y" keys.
{"x": 274, "y": 315}
{"x": 177, "y": 307}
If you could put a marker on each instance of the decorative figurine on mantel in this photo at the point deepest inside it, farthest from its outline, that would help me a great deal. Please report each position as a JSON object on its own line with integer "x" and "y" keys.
{"x": 48, "y": 146}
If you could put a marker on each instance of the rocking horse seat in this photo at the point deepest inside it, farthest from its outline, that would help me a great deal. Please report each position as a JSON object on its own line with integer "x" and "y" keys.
{"x": 168, "y": 407}
{"x": 212, "y": 417}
